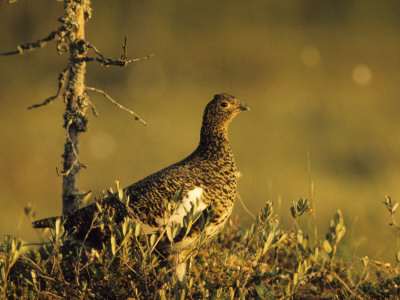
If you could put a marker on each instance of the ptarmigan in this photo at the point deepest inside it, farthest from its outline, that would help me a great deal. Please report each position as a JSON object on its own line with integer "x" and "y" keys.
{"x": 207, "y": 177}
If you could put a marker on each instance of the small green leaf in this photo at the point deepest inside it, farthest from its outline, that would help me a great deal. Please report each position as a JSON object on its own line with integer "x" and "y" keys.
{"x": 268, "y": 242}
{"x": 152, "y": 240}
{"x": 261, "y": 290}
{"x": 394, "y": 207}
{"x": 365, "y": 260}
{"x": 169, "y": 235}
{"x": 117, "y": 185}
{"x": 316, "y": 254}
{"x": 14, "y": 258}
{"x": 137, "y": 229}
{"x": 127, "y": 236}
{"x": 124, "y": 227}
{"x": 327, "y": 246}
{"x": 2, "y": 272}
{"x": 58, "y": 223}
{"x": 295, "y": 278}
{"x": 300, "y": 237}
{"x": 113, "y": 245}
{"x": 281, "y": 239}
{"x": 183, "y": 295}
{"x": 34, "y": 276}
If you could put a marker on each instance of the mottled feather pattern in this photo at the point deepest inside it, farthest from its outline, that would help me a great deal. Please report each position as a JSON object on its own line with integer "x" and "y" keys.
{"x": 209, "y": 172}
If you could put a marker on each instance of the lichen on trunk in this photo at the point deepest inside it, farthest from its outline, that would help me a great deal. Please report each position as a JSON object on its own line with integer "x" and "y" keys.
{"x": 75, "y": 116}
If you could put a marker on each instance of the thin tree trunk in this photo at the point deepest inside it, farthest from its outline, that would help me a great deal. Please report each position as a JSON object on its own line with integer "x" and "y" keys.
{"x": 76, "y": 106}
{"x": 70, "y": 36}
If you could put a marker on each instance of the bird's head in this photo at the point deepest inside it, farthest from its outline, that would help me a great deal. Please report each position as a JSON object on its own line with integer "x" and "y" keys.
{"x": 223, "y": 109}
{"x": 219, "y": 112}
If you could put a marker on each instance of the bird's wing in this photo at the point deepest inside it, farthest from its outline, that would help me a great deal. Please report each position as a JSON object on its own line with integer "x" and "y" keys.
{"x": 158, "y": 216}
{"x": 149, "y": 195}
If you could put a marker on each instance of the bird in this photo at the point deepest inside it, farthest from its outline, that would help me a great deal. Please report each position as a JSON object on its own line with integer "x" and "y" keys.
{"x": 205, "y": 179}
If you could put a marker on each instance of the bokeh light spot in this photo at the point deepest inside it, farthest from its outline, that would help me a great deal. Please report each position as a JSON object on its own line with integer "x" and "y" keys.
{"x": 362, "y": 75}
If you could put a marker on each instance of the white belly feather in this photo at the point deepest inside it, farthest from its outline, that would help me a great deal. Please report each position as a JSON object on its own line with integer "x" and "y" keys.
{"x": 181, "y": 211}
{"x": 187, "y": 203}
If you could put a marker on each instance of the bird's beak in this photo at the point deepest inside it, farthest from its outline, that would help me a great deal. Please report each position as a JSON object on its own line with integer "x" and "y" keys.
{"x": 244, "y": 106}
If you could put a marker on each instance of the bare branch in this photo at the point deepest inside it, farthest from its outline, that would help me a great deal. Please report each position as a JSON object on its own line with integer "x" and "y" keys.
{"x": 136, "y": 116}
{"x": 351, "y": 291}
{"x": 94, "y": 110}
{"x": 245, "y": 207}
{"x": 95, "y": 50}
{"x": 62, "y": 80}
{"x": 124, "y": 46}
{"x": 114, "y": 62}
{"x": 29, "y": 47}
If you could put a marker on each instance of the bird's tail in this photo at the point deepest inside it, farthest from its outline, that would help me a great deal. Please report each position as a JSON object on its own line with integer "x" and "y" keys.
{"x": 46, "y": 223}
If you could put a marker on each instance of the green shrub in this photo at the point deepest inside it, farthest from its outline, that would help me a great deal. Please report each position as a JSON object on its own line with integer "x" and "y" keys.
{"x": 262, "y": 262}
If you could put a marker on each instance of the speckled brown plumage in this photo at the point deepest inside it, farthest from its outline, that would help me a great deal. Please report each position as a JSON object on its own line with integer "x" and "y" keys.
{"x": 209, "y": 173}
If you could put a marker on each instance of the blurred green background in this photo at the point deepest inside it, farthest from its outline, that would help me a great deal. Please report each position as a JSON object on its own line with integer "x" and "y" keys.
{"x": 321, "y": 77}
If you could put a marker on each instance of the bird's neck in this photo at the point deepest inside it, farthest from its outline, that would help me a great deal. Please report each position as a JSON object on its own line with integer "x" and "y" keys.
{"x": 214, "y": 142}
{"x": 211, "y": 134}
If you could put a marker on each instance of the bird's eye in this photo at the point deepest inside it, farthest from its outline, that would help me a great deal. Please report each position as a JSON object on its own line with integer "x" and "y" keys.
{"x": 224, "y": 104}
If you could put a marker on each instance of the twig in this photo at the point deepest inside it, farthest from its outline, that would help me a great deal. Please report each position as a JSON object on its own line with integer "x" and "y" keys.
{"x": 393, "y": 223}
{"x": 123, "y": 61}
{"x": 95, "y": 50}
{"x": 130, "y": 268}
{"x": 52, "y": 295}
{"x": 94, "y": 110}
{"x": 77, "y": 269}
{"x": 136, "y": 116}
{"x": 115, "y": 62}
{"x": 61, "y": 84}
{"x": 124, "y": 46}
{"x": 245, "y": 208}
{"x": 314, "y": 215}
{"x": 32, "y": 262}
{"x": 144, "y": 259}
{"x": 346, "y": 286}
{"x": 28, "y": 47}
{"x": 362, "y": 278}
